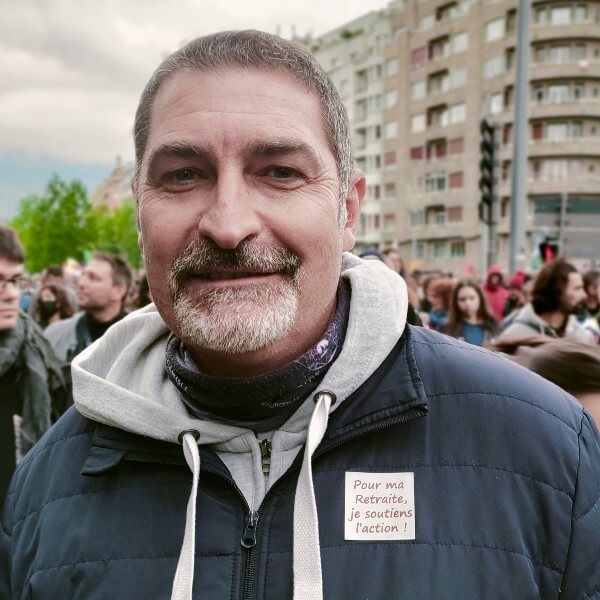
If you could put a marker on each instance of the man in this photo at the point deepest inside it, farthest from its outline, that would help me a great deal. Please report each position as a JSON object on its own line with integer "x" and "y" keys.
{"x": 556, "y": 294}
{"x": 30, "y": 378}
{"x": 102, "y": 289}
{"x": 334, "y": 452}
{"x": 591, "y": 286}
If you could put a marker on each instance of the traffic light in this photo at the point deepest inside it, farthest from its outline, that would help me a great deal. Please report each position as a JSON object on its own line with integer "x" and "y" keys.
{"x": 487, "y": 169}
{"x": 549, "y": 250}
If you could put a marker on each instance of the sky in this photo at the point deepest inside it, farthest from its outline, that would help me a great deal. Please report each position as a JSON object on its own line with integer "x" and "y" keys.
{"x": 71, "y": 72}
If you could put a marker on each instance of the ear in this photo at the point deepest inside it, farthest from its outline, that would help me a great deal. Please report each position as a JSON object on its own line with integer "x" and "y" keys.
{"x": 119, "y": 292}
{"x": 353, "y": 202}
{"x": 134, "y": 191}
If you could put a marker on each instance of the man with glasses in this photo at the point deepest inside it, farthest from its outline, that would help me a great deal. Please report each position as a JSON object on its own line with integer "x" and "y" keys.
{"x": 31, "y": 385}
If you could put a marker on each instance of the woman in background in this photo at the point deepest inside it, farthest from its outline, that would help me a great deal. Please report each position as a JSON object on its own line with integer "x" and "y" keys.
{"x": 53, "y": 304}
{"x": 469, "y": 318}
{"x": 439, "y": 293}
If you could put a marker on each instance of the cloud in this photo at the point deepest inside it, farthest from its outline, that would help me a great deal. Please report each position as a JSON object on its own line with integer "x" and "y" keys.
{"x": 72, "y": 70}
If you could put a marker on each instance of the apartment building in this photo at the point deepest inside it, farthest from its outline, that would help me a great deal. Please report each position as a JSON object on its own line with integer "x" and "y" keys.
{"x": 353, "y": 56}
{"x": 439, "y": 67}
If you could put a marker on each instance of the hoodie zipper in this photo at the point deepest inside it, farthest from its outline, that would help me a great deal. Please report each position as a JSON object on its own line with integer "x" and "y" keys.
{"x": 251, "y": 534}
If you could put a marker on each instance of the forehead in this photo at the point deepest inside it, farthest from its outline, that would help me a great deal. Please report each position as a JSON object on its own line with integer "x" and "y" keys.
{"x": 575, "y": 279}
{"x": 99, "y": 268}
{"x": 9, "y": 269}
{"x": 233, "y": 107}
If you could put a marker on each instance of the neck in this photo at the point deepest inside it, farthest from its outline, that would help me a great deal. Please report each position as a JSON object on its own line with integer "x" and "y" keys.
{"x": 555, "y": 319}
{"x": 106, "y": 313}
{"x": 265, "y": 360}
{"x": 472, "y": 320}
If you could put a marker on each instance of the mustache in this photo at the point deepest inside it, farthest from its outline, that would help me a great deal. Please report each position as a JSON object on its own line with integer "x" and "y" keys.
{"x": 257, "y": 257}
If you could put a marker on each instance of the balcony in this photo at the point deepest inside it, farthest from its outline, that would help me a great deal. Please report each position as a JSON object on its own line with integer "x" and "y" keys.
{"x": 580, "y": 108}
{"x": 581, "y": 146}
{"x": 567, "y": 70}
{"x": 587, "y": 30}
{"x": 572, "y": 183}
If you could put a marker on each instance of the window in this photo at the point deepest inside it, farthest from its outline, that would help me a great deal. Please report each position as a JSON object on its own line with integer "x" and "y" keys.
{"x": 417, "y": 123}
{"x": 391, "y": 66}
{"x": 420, "y": 250}
{"x": 457, "y": 145}
{"x": 447, "y": 12}
{"x": 426, "y": 22}
{"x": 494, "y": 30}
{"x": 391, "y": 98}
{"x": 578, "y": 91}
{"x": 389, "y": 158}
{"x": 560, "y": 54}
{"x": 460, "y": 42}
{"x": 419, "y": 90}
{"x": 557, "y": 132}
{"x": 439, "y": 249}
{"x": 458, "y": 78}
{"x": 418, "y": 56}
{"x": 439, "y": 48}
{"x": 496, "y": 103}
{"x": 560, "y": 15}
{"x": 416, "y": 153}
{"x": 554, "y": 170}
{"x": 457, "y": 249}
{"x": 538, "y": 93}
{"x": 391, "y": 130}
{"x": 439, "y": 217}
{"x": 454, "y": 214}
{"x": 437, "y": 149}
{"x": 580, "y": 13}
{"x": 417, "y": 218}
{"x": 558, "y": 93}
{"x": 541, "y": 16}
{"x": 458, "y": 113}
{"x": 455, "y": 180}
{"x": 576, "y": 129}
{"x": 389, "y": 221}
{"x": 579, "y": 52}
{"x": 390, "y": 190}
{"x": 493, "y": 67}
{"x": 540, "y": 54}
{"x": 435, "y": 182}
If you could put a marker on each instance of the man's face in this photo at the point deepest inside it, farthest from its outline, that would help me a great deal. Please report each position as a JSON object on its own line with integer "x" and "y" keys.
{"x": 95, "y": 286}
{"x": 10, "y": 292}
{"x": 573, "y": 294}
{"x": 392, "y": 260}
{"x": 239, "y": 210}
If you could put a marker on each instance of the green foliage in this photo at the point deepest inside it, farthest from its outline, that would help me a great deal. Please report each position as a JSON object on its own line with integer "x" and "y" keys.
{"x": 61, "y": 223}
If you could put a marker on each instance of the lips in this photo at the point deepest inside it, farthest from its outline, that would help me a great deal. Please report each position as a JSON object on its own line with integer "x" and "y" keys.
{"x": 224, "y": 275}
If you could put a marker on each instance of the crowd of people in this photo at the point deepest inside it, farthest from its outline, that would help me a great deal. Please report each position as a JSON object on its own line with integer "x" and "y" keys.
{"x": 523, "y": 316}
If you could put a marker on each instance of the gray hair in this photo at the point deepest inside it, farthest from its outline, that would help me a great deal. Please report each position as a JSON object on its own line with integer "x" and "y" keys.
{"x": 255, "y": 50}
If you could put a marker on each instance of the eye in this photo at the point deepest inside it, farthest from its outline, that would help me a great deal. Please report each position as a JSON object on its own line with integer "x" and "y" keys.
{"x": 183, "y": 175}
{"x": 284, "y": 172}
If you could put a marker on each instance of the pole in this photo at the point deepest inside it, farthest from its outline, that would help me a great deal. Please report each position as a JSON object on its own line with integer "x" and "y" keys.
{"x": 562, "y": 224}
{"x": 518, "y": 208}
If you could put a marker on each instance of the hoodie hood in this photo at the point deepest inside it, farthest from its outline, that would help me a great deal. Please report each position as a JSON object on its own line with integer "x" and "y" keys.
{"x": 121, "y": 381}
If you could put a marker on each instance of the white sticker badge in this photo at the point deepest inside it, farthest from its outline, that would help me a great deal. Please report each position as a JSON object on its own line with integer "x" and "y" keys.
{"x": 380, "y": 506}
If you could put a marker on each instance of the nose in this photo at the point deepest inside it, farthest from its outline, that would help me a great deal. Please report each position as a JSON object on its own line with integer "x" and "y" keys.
{"x": 230, "y": 216}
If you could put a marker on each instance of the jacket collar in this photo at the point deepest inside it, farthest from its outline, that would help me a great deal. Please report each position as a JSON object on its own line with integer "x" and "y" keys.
{"x": 395, "y": 388}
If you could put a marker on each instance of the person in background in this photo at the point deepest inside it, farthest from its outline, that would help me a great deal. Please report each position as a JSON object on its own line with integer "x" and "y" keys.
{"x": 31, "y": 382}
{"x": 591, "y": 286}
{"x": 469, "y": 318}
{"x": 439, "y": 294}
{"x": 391, "y": 257}
{"x": 573, "y": 366}
{"x": 53, "y": 304}
{"x": 556, "y": 294}
{"x": 517, "y": 298}
{"x": 495, "y": 292}
{"x": 52, "y": 275}
{"x": 102, "y": 290}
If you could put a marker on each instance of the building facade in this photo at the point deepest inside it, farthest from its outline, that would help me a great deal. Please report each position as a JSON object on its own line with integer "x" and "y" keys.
{"x": 437, "y": 68}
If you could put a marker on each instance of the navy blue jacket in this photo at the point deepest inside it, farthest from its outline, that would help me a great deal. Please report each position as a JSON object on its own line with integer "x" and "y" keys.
{"x": 507, "y": 483}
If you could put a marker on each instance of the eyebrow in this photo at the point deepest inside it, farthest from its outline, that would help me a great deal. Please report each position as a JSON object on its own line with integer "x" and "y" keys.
{"x": 257, "y": 149}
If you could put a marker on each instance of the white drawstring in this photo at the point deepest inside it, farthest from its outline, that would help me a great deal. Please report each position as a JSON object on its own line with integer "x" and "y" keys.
{"x": 308, "y": 579}
{"x": 184, "y": 576}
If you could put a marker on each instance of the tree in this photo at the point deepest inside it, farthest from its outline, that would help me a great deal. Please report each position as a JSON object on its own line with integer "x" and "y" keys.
{"x": 55, "y": 225}
{"x": 62, "y": 224}
{"x": 116, "y": 231}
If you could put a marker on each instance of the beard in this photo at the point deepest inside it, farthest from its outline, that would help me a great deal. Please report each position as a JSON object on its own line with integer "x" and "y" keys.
{"x": 234, "y": 319}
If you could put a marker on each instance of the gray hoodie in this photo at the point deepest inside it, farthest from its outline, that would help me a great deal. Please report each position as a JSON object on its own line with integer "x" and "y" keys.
{"x": 120, "y": 381}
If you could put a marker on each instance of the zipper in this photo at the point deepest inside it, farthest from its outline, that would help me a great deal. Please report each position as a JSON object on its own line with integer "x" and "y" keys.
{"x": 265, "y": 454}
{"x": 251, "y": 538}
